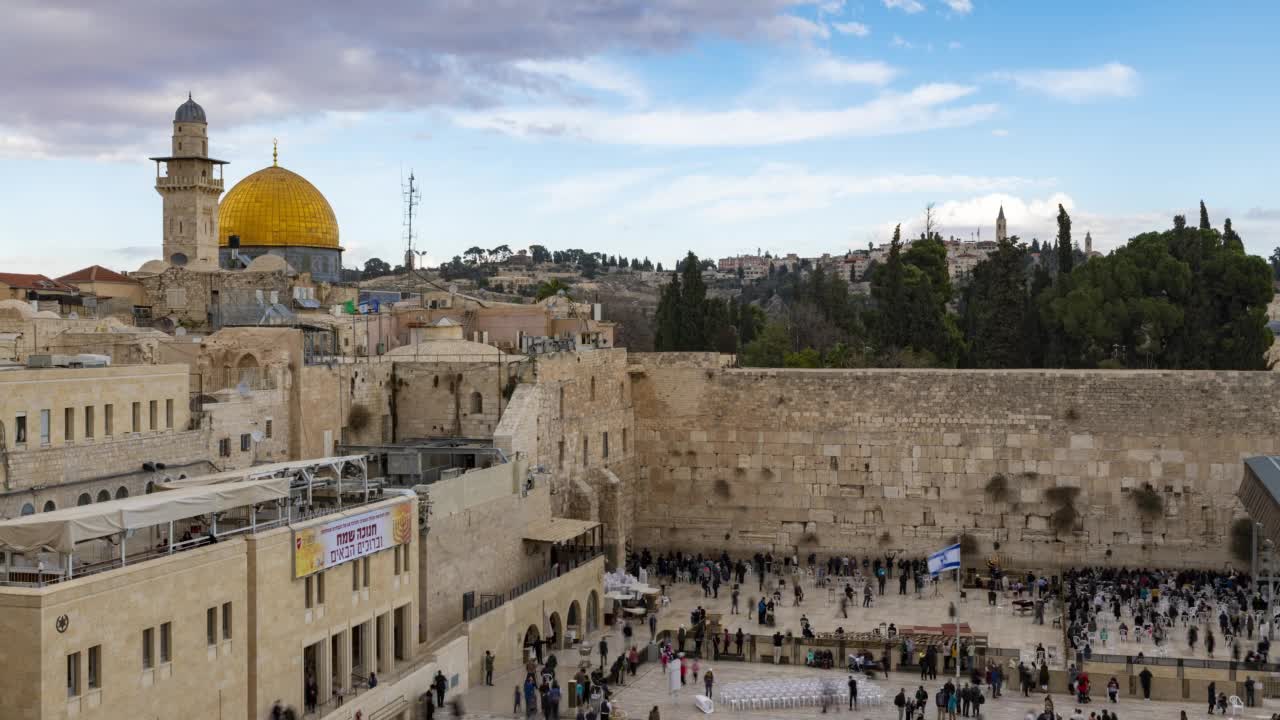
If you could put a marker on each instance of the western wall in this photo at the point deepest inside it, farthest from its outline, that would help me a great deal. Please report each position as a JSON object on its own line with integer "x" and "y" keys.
{"x": 873, "y": 461}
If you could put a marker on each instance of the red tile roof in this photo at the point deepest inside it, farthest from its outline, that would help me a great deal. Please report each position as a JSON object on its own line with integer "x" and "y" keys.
{"x": 34, "y": 282}
{"x": 96, "y": 273}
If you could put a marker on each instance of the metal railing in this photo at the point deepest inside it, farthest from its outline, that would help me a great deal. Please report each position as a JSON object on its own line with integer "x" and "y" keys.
{"x": 498, "y": 600}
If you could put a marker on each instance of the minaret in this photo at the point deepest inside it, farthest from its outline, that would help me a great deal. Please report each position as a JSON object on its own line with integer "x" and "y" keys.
{"x": 1001, "y": 231}
{"x": 1088, "y": 245}
{"x": 190, "y": 192}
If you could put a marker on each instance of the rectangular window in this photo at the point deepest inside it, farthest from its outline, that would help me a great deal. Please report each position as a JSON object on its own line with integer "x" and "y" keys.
{"x": 355, "y": 576}
{"x": 211, "y": 625}
{"x": 246, "y": 441}
{"x": 397, "y": 559}
{"x": 136, "y": 418}
{"x": 604, "y": 444}
{"x": 68, "y": 424}
{"x": 108, "y": 416}
{"x": 224, "y": 447}
{"x": 148, "y": 648}
{"x": 20, "y": 429}
{"x": 168, "y": 414}
{"x": 586, "y": 451}
{"x": 45, "y": 421}
{"x": 365, "y": 563}
{"x": 166, "y": 642}
{"x": 267, "y": 429}
{"x": 88, "y": 421}
{"x": 153, "y": 415}
{"x": 561, "y": 443}
{"x": 226, "y": 621}
{"x": 95, "y": 667}
{"x": 306, "y": 585}
{"x": 624, "y": 441}
{"x": 407, "y": 555}
{"x": 320, "y": 587}
{"x": 73, "y": 675}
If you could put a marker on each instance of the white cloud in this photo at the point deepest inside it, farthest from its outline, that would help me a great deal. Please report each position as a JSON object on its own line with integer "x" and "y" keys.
{"x": 908, "y": 6}
{"x": 926, "y": 107}
{"x": 835, "y": 70}
{"x": 963, "y": 7}
{"x": 856, "y": 29}
{"x": 954, "y": 45}
{"x": 589, "y": 74}
{"x": 1027, "y": 218}
{"x": 899, "y": 42}
{"x": 1000, "y": 132}
{"x": 770, "y": 191}
{"x": 1103, "y": 81}
{"x": 591, "y": 190}
{"x": 786, "y": 28}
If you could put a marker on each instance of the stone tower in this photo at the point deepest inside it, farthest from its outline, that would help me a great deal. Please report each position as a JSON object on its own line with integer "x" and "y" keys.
{"x": 1088, "y": 245}
{"x": 190, "y": 192}
{"x": 1002, "y": 232}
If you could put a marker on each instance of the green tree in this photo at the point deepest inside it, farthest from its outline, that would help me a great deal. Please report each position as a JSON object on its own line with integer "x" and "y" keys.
{"x": 376, "y": 267}
{"x": 1204, "y": 217}
{"x": 539, "y": 254}
{"x": 474, "y": 254}
{"x": 768, "y": 350}
{"x": 554, "y": 286}
{"x": 889, "y": 291}
{"x": 666, "y": 319}
{"x": 1066, "y": 250}
{"x": 1274, "y": 259}
{"x": 995, "y": 307}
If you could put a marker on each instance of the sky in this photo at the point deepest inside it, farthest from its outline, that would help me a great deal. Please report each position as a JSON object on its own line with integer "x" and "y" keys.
{"x": 645, "y": 128}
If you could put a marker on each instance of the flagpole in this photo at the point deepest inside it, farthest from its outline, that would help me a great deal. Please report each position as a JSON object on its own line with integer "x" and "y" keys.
{"x": 959, "y": 591}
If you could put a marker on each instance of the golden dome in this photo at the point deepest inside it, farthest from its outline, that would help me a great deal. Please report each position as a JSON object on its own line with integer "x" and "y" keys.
{"x": 278, "y": 208}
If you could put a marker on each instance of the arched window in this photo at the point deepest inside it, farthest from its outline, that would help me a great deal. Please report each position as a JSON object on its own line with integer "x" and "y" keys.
{"x": 151, "y": 487}
{"x": 49, "y": 506}
{"x": 593, "y": 388}
{"x": 28, "y": 509}
{"x": 104, "y": 495}
{"x": 477, "y": 403}
{"x": 122, "y": 493}
{"x": 84, "y": 499}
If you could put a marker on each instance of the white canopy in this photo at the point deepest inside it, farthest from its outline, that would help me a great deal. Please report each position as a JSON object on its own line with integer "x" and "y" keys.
{"x": 60, "y": 530}
{"x": 253, "y": 472}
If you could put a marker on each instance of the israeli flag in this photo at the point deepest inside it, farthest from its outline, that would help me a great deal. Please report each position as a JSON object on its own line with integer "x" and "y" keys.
{"x": 945, "y": 559}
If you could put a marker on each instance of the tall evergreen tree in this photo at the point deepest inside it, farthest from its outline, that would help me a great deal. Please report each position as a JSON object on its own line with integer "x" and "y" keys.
{"x": 1204, "y": 217}
{"x": 693, "y": 306}
{"x": 995, "y": 305}
{"x": 889, "y": 291}
{"x": 1066, "y": 251}
{"x": 666, "y": 337}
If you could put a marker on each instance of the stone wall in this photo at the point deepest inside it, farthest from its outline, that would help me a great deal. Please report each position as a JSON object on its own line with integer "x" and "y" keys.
{"x": 581, "y": 418}
{"x": 461, "y": 399}
{"x": 479, "y": 548}
{"x": 322, "y": 404}
{"x": 857, "y": 461}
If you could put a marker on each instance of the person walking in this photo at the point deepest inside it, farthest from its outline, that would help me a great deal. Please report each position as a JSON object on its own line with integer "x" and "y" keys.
{"x": 488, "y": 668}
{"x": 737, "y": 640}
{"x": 733, "y": 608}
{"x": 1144, "y": 679}
{"x": 441, "y": 684}
{"x": 866, "y": 595}
{"x": 899, "y": 700}
{"x": 777, "y": 648}
{"x": 708, "y": 679}
{"x": 1248, "y": 691}
{"x": 604, "y": 651}
{"x": 1213, "y": 696}
{"x": 853, "y": 695}
{"x": 653, "y": 626}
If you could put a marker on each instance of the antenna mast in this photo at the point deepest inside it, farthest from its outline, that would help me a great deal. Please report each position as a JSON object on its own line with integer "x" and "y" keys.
{"x": 412, "y": 199}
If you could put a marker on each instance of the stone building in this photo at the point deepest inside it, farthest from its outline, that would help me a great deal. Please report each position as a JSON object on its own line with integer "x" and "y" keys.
{"x": 185, "y": 180}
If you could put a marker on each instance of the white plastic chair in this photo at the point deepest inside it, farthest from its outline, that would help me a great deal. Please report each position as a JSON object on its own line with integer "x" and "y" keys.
{"x": 1235, "y": 704}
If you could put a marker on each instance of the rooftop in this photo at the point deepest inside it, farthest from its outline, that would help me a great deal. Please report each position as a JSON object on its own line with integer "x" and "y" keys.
{"x": 44, "y": 283}
{"x": 96, "y": 273}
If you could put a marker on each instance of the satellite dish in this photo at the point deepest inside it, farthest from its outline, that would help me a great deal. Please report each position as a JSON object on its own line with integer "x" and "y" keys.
{"x": 453, "y": 289}
{"x": 180, "y": 331}
{"x": 257, "y": 436}
{"x": 73, "y": 315}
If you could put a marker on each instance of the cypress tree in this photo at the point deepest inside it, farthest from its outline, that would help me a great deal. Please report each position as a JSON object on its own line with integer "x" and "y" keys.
{"x": 1066, "y": 251}
{"x": 1204, "y": 217}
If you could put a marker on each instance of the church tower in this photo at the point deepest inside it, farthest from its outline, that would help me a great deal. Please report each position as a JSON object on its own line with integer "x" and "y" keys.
{"x": 190, "y": 192}
{"x": 1002, "y": 232}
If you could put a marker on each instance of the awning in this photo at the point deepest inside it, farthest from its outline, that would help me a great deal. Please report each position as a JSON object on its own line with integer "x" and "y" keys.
{"x": 256, "y": 472}
{"x": 60, "y": 530}
{"x": 557, "y": 530}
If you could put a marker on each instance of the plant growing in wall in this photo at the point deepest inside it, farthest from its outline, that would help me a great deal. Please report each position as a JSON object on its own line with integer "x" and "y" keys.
{"x": 1149, "y": 502}
{"x": 1064, "y": 516}
{"x": 722, "y": 488}
{"x": 998, "y": 488}
{"x": 358, "y": 418}
{"x": 968, "y": 544}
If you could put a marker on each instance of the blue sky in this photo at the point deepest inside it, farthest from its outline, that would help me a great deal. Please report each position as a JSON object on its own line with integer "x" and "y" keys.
{"x": 647, "y": 128}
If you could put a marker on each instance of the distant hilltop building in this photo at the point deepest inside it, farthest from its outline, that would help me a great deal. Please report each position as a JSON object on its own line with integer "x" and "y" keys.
{"x": 273, "y": 211}
{"x": 1002, "y": 231}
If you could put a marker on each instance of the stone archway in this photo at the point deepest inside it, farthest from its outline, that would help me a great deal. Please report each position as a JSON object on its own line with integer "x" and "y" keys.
{"x": 593, "y": 611}
{"x": 573, "y": 622}
{"x": 532, "y": 643}
{"x": 557, "y": 631}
